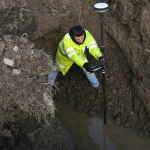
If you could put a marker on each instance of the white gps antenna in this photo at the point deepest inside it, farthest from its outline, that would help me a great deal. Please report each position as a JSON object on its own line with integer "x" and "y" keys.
{"x": 101, "y": 7}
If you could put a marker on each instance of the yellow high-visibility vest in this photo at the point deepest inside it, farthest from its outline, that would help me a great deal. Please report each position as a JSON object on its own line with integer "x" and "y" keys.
{"x": 69, "y": 52}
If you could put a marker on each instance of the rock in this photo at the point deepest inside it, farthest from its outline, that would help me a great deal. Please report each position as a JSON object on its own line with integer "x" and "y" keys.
{"x": 9, "y": 62}
{"x": 15, "y": 71}
{"x": 2, "y": 47}
{"x": 16, "y": 48}
{"x": 8, "y": 39}
{"x": 3, "y": 5}
{"x": 23, "y": 40}
{"x": 37, "y": 55}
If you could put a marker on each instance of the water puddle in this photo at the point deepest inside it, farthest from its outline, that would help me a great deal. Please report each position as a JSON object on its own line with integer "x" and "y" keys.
{"x": 89, "y": 133}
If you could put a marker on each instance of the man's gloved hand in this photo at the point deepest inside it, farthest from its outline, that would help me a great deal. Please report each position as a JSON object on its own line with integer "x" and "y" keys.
{"x": 88, "y": 67}
{"x": 102, "y": 60}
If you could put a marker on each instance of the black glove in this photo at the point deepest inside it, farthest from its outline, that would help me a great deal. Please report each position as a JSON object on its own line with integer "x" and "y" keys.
{"x": 88, "y": 67}
{"x": 103, "y": 60}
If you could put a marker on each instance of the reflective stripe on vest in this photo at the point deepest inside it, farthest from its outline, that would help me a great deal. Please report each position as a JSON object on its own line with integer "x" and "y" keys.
{"x": 92, "y": 47}
{"x": 70, "y": 49}
{"x": 67, "y": 35}
{"x": 72, "y": 54}
{"x": 93, "y": 42}
{"x": 61, "y": 44}
{"x": 83, "y": 49}
{"x": 59, "y": 64}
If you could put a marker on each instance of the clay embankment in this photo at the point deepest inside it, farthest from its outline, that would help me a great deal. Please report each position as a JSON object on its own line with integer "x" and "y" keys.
{"x": 26, "y": 104}
{"x": 26, "y": 107}
{"x": 127, "y": 26}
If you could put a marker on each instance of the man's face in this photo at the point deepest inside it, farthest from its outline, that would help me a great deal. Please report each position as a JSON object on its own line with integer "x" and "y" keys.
{"x": 79, "y": 39}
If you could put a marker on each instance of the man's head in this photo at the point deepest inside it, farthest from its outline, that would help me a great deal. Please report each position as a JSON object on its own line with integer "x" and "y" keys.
{"x": 79, "y": 39}
{"x": 77, "y": 33}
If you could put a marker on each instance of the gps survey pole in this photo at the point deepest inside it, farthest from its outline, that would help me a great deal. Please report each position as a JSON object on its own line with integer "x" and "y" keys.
{"x": 100, "y": 8}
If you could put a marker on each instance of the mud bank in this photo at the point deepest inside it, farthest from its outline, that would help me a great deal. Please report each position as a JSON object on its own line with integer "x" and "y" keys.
{"x": 27, "y": 118}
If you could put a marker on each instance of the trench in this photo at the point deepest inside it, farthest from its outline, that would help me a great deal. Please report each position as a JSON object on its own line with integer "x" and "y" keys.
{"x": 86, "y": 132}
{"x": 76, "y": 101}
{"x": 127, "y": 72}
{"x": 126, "y": 40}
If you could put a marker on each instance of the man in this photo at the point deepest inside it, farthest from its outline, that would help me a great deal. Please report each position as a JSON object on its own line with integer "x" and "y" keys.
{"x": 71, "y": 50}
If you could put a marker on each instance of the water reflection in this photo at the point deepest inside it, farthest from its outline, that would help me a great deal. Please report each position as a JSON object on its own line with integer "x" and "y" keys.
{"x": 89, "y": 133}
{"x": 97, "y": 133}
{"x": 69, "y": 140}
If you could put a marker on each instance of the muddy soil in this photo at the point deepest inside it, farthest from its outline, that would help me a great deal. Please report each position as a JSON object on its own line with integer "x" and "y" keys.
{"x": 27, "y": 134}
{"x": 127, "y": 26}
{"x": 127, "y": 50}
{"x": 27, "y": 118}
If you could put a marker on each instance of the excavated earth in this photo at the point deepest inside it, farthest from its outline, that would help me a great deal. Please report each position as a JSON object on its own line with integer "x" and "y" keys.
{"x": 24, "y": 121}
{"x": 45, "y": 22}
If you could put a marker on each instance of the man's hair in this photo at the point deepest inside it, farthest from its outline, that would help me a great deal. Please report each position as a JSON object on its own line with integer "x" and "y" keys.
{"x": 76, "y": 31}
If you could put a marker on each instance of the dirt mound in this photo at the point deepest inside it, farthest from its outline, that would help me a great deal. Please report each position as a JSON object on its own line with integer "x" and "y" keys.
{"x": 23, "y": 76}
{"x": 26, "y": 95}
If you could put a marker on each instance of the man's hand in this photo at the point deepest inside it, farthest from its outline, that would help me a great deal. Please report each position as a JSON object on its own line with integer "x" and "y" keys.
{"x": 103, "y": 60}
{"x": 88, "y": 67}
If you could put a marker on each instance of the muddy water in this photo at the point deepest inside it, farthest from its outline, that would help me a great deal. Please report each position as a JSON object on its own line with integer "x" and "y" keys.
{"x": 89, "y": 132}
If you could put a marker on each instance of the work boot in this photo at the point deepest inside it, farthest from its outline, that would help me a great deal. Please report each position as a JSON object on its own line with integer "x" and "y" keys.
{"x": 98, "y": 89}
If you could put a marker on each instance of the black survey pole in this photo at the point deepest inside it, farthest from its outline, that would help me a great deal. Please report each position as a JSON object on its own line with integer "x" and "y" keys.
{"x": 103, "y": 65}
{"x": 100, "y": 8}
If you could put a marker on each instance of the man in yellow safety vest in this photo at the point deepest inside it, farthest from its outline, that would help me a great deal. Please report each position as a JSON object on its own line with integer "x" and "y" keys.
{"x": 71, "y": 50}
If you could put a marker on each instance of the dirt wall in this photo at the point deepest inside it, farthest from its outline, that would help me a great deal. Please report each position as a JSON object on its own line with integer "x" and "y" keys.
{"x": 127, "y": 24}
{"x": 26, "y": 104}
